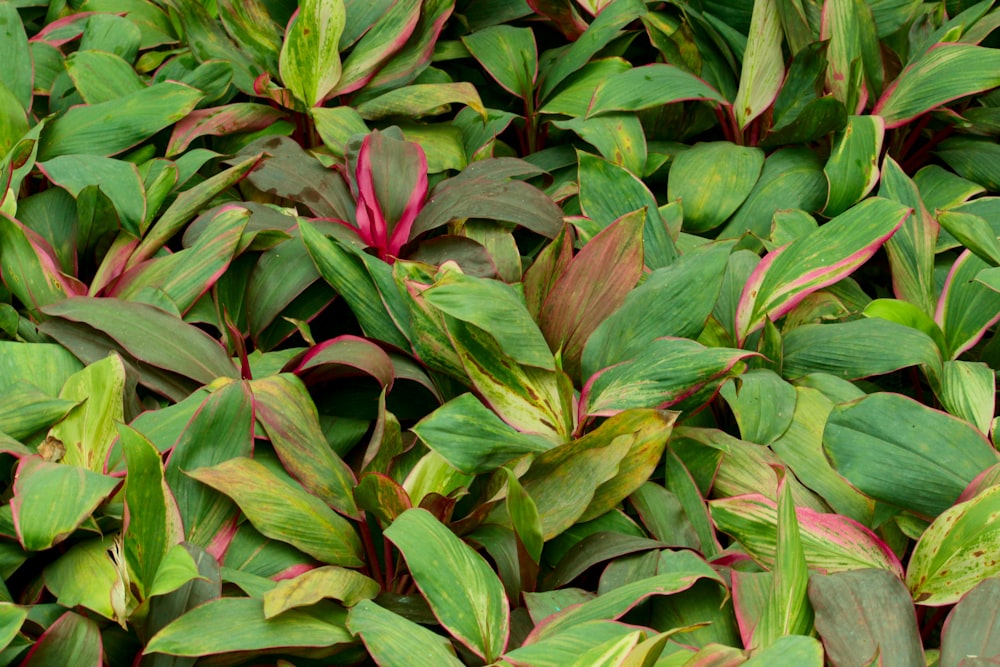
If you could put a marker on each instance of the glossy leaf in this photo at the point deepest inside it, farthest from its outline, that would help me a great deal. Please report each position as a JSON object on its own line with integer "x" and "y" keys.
{"x": 391, "y": 639}
{"x": 835, "y": 250}
{"x": 42, "y": 518}
{"x": 830, "y": 542}
{"x": 422, "y": 99}
{"x": 341, "y": 584}
{"x": 712, "y": 180}
{"x": 473, "y": 438}
{"x": 309, "y": 62}
{"x": 921, "y": 459}
{"x": 763, "y": 63}
{"x": 911, "y": 248}
{"x": 650, "y": 86}
{"x": 71, "y": 639}
{"x": 944, "y": 73}
{"x": 282, "y": 510}
{"x": 29, "y": 268}
{"x": 219, "y": 121}
{"x": 852, "y": 169}
{"x": 762, "y": 403}
{"x": 84, "y": 576}
{"x": 857, "y": 349}
{"x": 154, "y": 524}
{"x": 968, "y": 391}
{"x": 226, "y": 417}
{"x": 283, "y": 406}
{"x": 238, "y": 624}
{"x": 665, "y": 372}
{"x": 114, "y": 126}
{"x": 460, "y": 587}
{"x": 509, "y": 55}
{"x": 955, "y": 553}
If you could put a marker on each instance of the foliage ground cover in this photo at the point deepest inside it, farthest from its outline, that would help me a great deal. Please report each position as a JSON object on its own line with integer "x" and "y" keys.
{"x": 509, "y": 332}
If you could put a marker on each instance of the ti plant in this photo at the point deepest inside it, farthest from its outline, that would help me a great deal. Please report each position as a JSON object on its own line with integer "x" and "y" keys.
{"x": 522, "y": 333}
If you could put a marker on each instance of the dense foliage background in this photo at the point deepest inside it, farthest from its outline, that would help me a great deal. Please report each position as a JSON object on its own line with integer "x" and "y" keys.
{"x": 515, "y": 332}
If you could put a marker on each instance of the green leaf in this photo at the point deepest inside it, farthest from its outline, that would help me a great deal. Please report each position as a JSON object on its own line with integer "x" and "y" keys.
{"x": 763, "y": 63}
{"x": 712, "y": 180}
{"x": 968, "y": 391}
{"x": 609, "y": 192}
{"x": 226, "y": 418}
{"x": 898, "y": 451}
{"x": 16, "y": 56}
{"x": 71, "y": 640}
{"x": 528, "y": 398}
{"x": 762, "y": 403}
{"x": 252, "y": 27}
{"x": 51, "y": 500}
{"x": 672, "y": 301}
{"x": 88, "y": 431}
{"x": 283, "y": 406}
{"x": 26, "y": 410}
{"x": 509, "y": 55}
{"x": 384, "y": 39}
{"x": 29, "y": 268}
{"x": 855, "y": 68}
{"x": 663, "y": 373}
{"x": 801, "y": 449}
{"x": 414, "y": 57}
{"x": 787, "y": 611}
{"x": 393, "y": 640}
{"x": 154, "y": 524}
{"x": 282, "y": 510}
{"x": 956, "y": 552}
{"x": 792, "y": 178}
{"x": 911, "y": 248}
{"x": 473, "y": 438}
{"x": 606, "y": 27}
{"x": 973, "y": 232}
{"x": 461, "y": 588}
{"x": 228, "y": 624}
{"x": 862, "y": 614}
{"x": 310, "y": 587}
{"x": 966, "y": 308}
{"x": 650, "y": 86}
{"x": 177, "y": 569}
{"x": 587, "y": 477}
{"x": 84, "y": 576}
{"x": 974, "y": 159}
{"x": 944, "y": 73}
{"x": 790, "y": 650}
{"x": 857, "y": 349}
{"x": 114, "y": 126}
{"x": 101, "y": 77}
{"x": 363, "y": 282}
{"x": 11, "y": 618}
{"x": 830, "y": 542}
{"x": 821, "y": 258}
{"x": 495, "y": 307}
{"x": 682, "y": 569}
{"x": 422, "y": 99}
{"x": 852, "y": 169}
{"x": 309, "y": 62}
{"x": 117, "y": 179}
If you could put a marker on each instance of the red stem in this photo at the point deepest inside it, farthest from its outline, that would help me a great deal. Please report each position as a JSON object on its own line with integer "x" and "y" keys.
{"x": 366, "y": 539}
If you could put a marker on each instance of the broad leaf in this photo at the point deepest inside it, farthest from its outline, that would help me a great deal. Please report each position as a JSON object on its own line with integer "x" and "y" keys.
{"x": 309, "y": 62}
{"x": 279, "y": 508}
{"x": 509, "y": 55}
{"x": 971, "y": 627}
{"x": 238, "y": 624}
{"x": 459, "y": 585}
{"x": 955, "y": 553}
{"x": 392, "y": 639}
{"x": 898, "y": 451}
{"x": 712, "y": 180}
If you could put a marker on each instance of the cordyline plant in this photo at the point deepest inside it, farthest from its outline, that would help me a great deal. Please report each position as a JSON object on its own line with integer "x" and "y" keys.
{"x": 448, "y": 332}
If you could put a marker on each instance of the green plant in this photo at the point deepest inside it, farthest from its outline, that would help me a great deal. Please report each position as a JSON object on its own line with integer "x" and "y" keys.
{"x": 518, "y": 333}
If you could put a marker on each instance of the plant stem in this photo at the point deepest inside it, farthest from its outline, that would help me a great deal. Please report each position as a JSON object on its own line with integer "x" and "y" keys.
{"x": 373, "y": 567}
